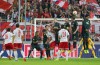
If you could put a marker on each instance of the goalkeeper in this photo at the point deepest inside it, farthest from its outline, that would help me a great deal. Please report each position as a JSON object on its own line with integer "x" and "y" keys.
{"x": 90, "y": 46}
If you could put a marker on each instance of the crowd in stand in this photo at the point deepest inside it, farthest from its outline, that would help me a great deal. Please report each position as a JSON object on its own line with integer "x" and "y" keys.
{"x": 48, "y": 9}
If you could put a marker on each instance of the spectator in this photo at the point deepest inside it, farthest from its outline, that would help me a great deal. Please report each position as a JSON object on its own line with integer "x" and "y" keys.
{"x": 48, "y": 8}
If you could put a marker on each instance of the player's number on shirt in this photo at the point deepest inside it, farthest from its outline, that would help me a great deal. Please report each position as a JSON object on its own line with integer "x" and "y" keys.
{"x": 63, "y": 34}
{"x": 19, "y": 33}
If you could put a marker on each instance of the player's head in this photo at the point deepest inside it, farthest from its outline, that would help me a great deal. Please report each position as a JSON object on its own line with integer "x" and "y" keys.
{"x": 46, "y": 27}
{"x": 66, "y": 20}
{"x": 87, "y": 16}
{"x": 8, "y": 29}
{"x": 62, "y": 26}
{"x": 17, "y": 25}
{"x": 37, "y": 33}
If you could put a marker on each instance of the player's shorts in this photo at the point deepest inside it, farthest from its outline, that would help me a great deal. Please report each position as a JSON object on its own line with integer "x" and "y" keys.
{"x": 9, "y": 46}
{"x": 63, "y": 45}
{"x": 35, "y": 46}
{"x": 17, "y": 45}
{"x": 75, "y": 36}
{"x": 74, "y": 45}
{"x": 89, "y": 47}
{"x": 47, "y": 46}
{"x": 52, "y": 44}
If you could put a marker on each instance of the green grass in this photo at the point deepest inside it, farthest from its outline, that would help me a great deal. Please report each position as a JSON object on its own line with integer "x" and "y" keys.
{"x": 71, "y": 61}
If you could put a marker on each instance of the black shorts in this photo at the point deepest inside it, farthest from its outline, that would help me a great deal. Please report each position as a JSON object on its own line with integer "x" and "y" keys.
{"x": 35, "y": 46}
{"x": 75, "y": 36}
{"x": 47, "y": 46}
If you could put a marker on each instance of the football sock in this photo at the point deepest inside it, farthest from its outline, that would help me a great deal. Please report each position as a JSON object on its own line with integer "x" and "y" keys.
{"x": 16, "y": 55}
{"x": 22, "y": 53}
{"x": 1, "y": 53}
{"x": 8, "y": 52}
{"x": 80, "y": 54}
{"x": 11, "y": 53}
{"x": 29, "y": 53}
{"x": 58, "y": 54}
{"x": 51, "y": 53}
{"x": 66, "y": 52}
{"x": 93, "y": 53}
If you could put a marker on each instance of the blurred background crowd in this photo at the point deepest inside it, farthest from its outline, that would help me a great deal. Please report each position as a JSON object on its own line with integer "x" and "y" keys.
{"x": 49, "y": 9}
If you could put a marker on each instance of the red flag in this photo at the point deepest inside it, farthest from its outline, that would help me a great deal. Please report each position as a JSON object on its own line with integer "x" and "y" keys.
{"x": 4, "y": 6}
{"x": 63, "y": 4}
{"x": 94, "y": 2}
{"x": 9, "y": 1}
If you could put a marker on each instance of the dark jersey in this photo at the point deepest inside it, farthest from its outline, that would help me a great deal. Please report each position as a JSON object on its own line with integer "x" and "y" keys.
{"x": 56, "y": 29}
{"x": 66, "y": 25}
{"x": 74, "y": 25}
{"x": 85, "y": 27}
{"x": 36, "y": 39}
{"x": 56, "y": 25}
{"x": 44, "y": 38}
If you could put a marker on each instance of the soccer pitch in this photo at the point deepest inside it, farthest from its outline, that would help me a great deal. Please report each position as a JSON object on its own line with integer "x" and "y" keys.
{"x": 71, "y": 61}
